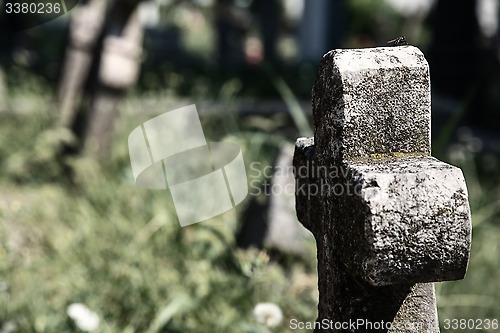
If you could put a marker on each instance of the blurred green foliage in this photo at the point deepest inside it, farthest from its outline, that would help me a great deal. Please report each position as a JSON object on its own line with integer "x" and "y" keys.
{"x": 478, "y": 295}
{"x": 74, "y": 230}
{"x": 90, "y": 236}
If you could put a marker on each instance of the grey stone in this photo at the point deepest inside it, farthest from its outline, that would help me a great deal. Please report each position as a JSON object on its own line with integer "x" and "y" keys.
{"x": 416, "y": 220}
{"x": 418, "y": 312}
{"x": 284, "y": 232}
{"x": 387, "y": 217}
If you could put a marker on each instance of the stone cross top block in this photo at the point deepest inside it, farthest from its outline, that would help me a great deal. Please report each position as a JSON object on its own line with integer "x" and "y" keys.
{"x": 388, "y": 218}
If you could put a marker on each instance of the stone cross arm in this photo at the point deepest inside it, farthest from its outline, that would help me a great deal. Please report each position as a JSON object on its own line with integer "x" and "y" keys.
{"x": 389, "y": 219}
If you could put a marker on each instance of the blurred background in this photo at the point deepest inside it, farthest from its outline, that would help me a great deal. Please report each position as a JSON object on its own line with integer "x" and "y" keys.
{"x": 75, "y": 229}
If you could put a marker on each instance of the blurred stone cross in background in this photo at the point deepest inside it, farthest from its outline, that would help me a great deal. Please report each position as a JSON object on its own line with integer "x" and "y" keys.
{"x": 389, "y": 219}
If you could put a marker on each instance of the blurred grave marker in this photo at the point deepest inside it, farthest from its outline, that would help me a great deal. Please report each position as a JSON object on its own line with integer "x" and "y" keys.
{"x": 284, "y": 232}
{"x": 102, "y": 63}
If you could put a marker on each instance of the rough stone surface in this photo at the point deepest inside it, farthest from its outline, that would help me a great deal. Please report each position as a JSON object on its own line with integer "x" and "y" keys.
{"x": 387, "y": 217}
{"x": 372, "y": 101}
{"x": 416, "y": 220}
{"x": 421, "y": 304}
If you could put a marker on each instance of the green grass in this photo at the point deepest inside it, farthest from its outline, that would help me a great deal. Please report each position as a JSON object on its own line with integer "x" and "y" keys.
{"x": 478, "y": 295}
{"x": 118, "y": 249}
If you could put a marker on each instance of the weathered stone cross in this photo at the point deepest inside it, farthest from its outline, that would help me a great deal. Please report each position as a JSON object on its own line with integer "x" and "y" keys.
{"x": 388, "y": 218}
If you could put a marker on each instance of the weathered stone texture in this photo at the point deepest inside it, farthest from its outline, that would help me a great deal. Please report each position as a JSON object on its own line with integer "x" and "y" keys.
{"x": 417, "y": 221}
{"x": 387, "y": 217}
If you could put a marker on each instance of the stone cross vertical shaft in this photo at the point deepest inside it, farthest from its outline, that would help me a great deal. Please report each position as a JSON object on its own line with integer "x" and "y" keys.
{"x": 388, "y": 218}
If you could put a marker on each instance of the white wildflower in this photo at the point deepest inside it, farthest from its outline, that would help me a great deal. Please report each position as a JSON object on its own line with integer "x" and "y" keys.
{"x": 84, "y": 318}
{"x": 268, "y": 314}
